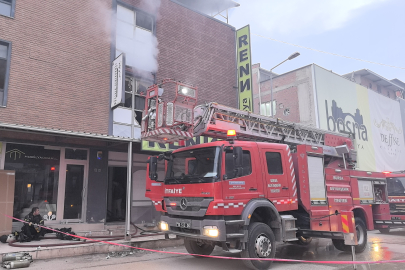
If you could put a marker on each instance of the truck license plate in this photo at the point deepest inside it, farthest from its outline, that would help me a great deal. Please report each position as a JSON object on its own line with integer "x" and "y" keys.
{"x": 184, "y": 224}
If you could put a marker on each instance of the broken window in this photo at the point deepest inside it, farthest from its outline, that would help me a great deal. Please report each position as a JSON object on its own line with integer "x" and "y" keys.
{"x": 139, "y": 87}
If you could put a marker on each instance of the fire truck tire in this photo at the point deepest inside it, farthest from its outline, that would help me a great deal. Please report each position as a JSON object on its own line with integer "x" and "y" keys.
{"x": 303, "y": 241}
{"x": 261, "y": 243}
{"x": 385, "y": 230}
{"x": 194, "y": 246}
{"x": 361, "y": 230}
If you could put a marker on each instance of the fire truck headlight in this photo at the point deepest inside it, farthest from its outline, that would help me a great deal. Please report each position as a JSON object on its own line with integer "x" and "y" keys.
{"x": 164, "y": 226}
{"x": 211, "y": 231}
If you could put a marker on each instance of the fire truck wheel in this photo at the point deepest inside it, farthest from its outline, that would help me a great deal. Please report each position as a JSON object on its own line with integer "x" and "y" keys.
{"x": 385, "y": 230}
{"x": 303, "y": 241}
{"x": 361, "y": 231}
{"x": 194, "y": 246}
{"x": 261, "y": 243}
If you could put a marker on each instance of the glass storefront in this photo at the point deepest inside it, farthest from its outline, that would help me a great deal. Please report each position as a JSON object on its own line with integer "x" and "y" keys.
{"x": 36, "y": 178}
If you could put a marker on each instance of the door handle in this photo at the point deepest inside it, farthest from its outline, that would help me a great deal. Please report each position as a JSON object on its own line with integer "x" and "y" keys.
{"x": 252, "y": 189}
{"x": 284, "y": 188}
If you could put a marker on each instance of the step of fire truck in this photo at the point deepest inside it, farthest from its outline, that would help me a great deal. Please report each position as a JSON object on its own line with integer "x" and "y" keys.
{"x": 289, "y": 231}
{"x": 238, "y": 230}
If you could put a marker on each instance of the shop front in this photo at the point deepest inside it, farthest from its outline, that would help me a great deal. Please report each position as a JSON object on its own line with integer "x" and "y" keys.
{"x": 51, "y": 178}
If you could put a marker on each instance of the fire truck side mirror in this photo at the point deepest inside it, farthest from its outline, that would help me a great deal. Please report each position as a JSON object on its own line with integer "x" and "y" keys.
{"x": 238, "y": 160}
{"x": 153, "y": 168}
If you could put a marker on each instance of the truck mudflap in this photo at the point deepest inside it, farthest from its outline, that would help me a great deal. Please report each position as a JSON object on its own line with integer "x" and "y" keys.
{"x": 195, "y": 228}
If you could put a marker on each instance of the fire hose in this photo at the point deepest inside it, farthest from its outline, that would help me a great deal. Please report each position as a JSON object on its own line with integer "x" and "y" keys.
{"x": 223, "y": 257}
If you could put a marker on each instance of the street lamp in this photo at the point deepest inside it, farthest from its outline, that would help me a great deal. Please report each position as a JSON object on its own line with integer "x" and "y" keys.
{"x": 292, "y": 56}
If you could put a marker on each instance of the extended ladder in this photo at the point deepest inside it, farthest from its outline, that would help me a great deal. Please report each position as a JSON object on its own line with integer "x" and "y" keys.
{"x": 213, "y": 120}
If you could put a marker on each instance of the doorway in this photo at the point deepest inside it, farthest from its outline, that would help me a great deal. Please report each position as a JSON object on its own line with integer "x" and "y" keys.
{"x": 117, "y": 194}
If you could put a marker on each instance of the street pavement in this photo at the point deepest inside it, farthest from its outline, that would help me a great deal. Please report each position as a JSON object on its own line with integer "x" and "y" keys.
{"x": 380, "y": 247}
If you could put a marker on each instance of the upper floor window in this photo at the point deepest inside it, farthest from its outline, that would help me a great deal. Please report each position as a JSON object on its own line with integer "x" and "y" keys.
{"x": 265, "y": 108}
{"x": 135, "y": 38}
{"x": 7, "y": 7}
{"x": 4, "y": 70}
{"x": 138, "y": 87}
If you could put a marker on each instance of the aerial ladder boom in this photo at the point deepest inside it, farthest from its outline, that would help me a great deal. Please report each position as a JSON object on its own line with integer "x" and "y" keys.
{"x": 214, "y": 120}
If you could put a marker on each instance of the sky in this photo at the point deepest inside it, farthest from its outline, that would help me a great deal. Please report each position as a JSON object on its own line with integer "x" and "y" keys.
{"x": 372, "y": 30}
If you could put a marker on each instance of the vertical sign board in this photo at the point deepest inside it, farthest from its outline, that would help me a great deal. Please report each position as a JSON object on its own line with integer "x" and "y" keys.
{"x": 244, "y": 65}
{"x": 118, "y": 81}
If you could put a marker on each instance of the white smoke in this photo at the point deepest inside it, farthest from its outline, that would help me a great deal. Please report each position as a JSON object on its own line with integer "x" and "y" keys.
{"x": 139, "y": 45}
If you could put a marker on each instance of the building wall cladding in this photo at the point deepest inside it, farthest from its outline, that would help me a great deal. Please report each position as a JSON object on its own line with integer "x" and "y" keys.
{"x": 195, "y": 49}
{"x": 293, "y": 92}
{"x": 60, "y": 64}
{"x": 383, "y": 90}
{"x": 61, "y": 57}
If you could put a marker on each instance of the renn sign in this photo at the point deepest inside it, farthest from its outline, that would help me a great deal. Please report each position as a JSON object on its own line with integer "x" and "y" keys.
{"x": 244, "y": 69}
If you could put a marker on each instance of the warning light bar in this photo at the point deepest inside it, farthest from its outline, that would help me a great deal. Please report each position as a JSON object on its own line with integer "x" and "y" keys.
{"x": 386, "y": 172}
{"x": 231, "y": 133}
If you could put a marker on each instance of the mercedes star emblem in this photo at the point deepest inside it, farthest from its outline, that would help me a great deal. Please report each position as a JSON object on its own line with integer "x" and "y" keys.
{"x": 183, "y": 204}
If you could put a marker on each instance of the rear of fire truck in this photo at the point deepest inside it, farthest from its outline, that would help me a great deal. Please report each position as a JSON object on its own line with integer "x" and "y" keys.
{"x": 246, "y": 195}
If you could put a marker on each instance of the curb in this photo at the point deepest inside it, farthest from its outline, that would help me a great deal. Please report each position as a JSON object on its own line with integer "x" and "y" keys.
{"x": 99, "y": 248}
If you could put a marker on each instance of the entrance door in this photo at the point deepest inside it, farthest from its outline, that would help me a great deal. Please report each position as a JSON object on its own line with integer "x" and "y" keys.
{"x": 74, "y": 192}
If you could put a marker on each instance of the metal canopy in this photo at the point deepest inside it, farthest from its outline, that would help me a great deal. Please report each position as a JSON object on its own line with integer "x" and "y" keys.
{"x": 210, "y": 7}
{"x": 52, "y": 131}
{"x": 375, "y": 78}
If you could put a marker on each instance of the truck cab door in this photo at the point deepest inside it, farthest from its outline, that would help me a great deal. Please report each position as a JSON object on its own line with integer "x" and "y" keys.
{"x": 155, "y": 188}
{"x": 276, "y": 174}
{"x": 243, "y": 186}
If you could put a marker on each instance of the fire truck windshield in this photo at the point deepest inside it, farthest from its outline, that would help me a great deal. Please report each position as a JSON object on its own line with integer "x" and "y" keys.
{"x": 396, "y": 186}
{"x": 194, "y": 166}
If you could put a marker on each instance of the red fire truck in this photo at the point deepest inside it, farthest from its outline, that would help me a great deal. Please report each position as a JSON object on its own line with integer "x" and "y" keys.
{"x": 261, "y": 181}
{"x": 396, "y": 199}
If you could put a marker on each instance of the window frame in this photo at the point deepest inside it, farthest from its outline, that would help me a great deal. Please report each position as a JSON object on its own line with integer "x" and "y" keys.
{"x": 264, "y": 105}
{"x": 267, "y": 163}
{"x": 244, "y": 151}
{"x": 12, "y": 11}
{"x": 3, "y": 103}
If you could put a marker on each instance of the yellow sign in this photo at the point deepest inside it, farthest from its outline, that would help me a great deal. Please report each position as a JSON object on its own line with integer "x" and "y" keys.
{"x": 163, "y": 147}
{"x": 244, "y": 64}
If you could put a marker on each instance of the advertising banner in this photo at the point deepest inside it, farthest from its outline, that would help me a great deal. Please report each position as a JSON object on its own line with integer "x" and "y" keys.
{"x": 244, "y": 65}
{"x": 388, "y": 133}
{"x": 375, "y": 121}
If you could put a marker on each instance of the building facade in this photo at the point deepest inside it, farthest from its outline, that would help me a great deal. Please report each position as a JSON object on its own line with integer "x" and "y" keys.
{"x": 58, "y": 132}
{"x": 361, "y": 103}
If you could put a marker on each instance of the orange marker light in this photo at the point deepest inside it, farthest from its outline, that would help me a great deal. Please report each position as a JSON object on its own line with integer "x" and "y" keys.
{"x": 173, "y": 204}
{"x": 231, "y": 132}
{"x": 386, "y": 172}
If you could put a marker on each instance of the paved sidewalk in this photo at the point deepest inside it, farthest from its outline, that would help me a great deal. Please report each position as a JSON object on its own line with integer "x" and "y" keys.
{"x": 39, "y": 249}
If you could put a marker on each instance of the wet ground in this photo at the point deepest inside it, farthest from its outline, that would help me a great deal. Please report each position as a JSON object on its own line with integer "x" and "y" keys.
{"x": 380, "y": 247}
